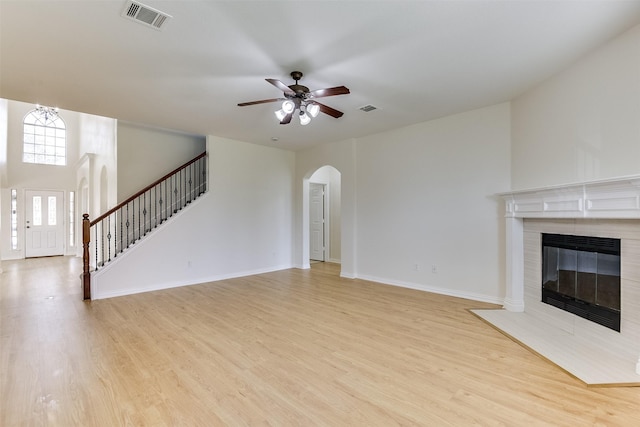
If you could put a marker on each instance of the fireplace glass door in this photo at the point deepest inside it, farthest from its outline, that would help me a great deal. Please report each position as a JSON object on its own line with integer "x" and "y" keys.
{"x": 582, "y": 275}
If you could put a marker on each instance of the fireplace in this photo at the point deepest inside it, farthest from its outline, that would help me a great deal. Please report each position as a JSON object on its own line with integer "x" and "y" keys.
{"x": 607, "y": 208}
{"x": 581, "y": 275}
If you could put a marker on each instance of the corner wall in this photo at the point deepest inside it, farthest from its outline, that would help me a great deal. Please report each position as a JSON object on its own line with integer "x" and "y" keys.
{"x": 582, "y": 124}
{"x": 425, "y": 211}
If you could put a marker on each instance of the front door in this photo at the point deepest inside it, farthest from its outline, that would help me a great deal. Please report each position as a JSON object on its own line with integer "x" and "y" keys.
{"x": 44, "y": 223}
{"x": 316, "y": 222}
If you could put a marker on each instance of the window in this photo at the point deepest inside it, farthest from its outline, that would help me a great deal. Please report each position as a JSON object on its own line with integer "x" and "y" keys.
{"x": 45, "y": 137}
{"x": 14, "y": 219}
{"x": 37, "y": 211}
{"x": 72, "y": 218}
{"x": 53, "y": 214}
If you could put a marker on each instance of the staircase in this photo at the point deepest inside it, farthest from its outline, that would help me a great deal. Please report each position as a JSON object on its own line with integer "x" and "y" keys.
{"x": 107, "y": 236}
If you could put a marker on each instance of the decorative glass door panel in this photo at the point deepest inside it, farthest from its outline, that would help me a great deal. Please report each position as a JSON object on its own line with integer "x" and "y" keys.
{"x": 44, "y": 229}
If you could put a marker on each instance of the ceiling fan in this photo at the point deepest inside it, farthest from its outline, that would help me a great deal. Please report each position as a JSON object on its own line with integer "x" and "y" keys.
{"x": 299, "y": 98}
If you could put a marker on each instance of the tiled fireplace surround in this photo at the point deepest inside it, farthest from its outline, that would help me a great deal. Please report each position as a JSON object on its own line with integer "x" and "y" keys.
{"x": 609, "y": 208}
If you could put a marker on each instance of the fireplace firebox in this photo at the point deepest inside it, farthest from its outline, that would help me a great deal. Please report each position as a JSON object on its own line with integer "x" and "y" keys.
{"x": 581, "y": 275}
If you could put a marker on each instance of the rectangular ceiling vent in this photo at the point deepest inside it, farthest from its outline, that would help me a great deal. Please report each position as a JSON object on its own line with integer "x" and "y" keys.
{"x": 368, "y": 108}
{"x": 145, "y": 15}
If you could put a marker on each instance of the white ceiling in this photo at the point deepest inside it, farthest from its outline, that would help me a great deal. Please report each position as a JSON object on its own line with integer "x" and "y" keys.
{"x": 413, "y": 60}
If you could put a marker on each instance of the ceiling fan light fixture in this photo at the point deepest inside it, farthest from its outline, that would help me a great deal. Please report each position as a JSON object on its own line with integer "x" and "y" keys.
{"x": 288, "y": 106}
{"x": 313, "y": 109}
{"x": 304, "y": 118}
{"x": 280, "y": 114}
{"x": 299, "y": 97}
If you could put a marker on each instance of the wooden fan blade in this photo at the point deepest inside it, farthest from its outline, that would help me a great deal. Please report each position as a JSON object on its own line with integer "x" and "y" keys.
{"x": 338, "y": 90}
{"x": 330, "y": 111}
{"x": 287, "y": 119}
{"x": 264, "y": 101}
{"x": 283, "y": 87}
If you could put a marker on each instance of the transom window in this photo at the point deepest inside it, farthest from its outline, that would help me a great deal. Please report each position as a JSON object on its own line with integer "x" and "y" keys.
{"x": 45, "y": 137}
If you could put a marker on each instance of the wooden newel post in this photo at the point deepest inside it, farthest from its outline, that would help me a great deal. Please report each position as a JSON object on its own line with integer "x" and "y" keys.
{"x": 86, "y": 238}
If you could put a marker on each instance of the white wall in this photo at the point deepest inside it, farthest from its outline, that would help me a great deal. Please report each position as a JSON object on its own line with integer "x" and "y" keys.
{"x": 146, "y": 154}
{"x": 241, "y": 226}
{"x": 582, "y": 124}
{"x": 425, "y": 200}
{"x": 420, "y": 195}
{"x": 4, "y": 112}
{"x": 98, "y": 148}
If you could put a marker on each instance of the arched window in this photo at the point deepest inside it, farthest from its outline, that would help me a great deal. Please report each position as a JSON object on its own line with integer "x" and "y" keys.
{"x": 45, "y": 137}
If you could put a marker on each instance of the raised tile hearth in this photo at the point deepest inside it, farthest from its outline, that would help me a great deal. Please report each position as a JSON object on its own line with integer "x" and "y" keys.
{"x": 591, "y": 352}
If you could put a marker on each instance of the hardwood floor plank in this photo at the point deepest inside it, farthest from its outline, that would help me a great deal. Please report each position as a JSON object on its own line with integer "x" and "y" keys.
{"x": 288, "y": 348}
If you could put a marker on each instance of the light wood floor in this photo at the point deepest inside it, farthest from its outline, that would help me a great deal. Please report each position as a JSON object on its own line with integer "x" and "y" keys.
{"x": 290, "y": 348}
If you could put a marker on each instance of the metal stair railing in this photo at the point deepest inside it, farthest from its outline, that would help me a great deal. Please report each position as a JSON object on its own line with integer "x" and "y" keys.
{"x": 107, "y": 236}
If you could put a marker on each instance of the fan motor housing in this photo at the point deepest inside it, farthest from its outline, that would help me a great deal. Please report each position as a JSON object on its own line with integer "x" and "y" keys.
{"x": 299, "y": 89}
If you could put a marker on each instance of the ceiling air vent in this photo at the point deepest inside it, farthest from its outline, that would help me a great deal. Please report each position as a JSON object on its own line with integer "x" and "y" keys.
{"x": 144, "y": 14}
{"x": 367, "y": 108}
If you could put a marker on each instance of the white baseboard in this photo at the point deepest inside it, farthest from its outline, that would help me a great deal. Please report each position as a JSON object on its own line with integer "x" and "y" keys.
{"x": 436, "y": 290}
{"x": 96, "y": 294}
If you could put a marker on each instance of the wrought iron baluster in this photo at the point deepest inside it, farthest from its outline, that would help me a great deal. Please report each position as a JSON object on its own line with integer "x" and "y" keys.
{"x": 179, "y": 191}
{"x": 176, "y": 184}
{"x": 204, "y": 176}
{"x": 160, "y": 203}
{"x": 115, "y": 234}
{"x": 155, "y": 205}
{"x": 133, "y": 221}
{"x": 191, "y": 166}
{"x": 121, "y": 229}
{"x": 127, "y": 224}
{"x": 144, "y": 212}
{"x": 108, "y": 238}
{"x": 139, "y": 219}
{"x": 201, "y": 175}
{"x": 102, "y": 242}
{"x": 95, "y": 244}
{"x": 196, "y": 178}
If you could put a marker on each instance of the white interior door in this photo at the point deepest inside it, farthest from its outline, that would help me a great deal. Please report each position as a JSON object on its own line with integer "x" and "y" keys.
{"x": 44, "y": 228}
{"x": 316, "y": 222}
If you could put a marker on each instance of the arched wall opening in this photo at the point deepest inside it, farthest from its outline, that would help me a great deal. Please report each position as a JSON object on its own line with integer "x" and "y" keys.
{"x": 324, "y": 215}
{"x": 341, "y": 156}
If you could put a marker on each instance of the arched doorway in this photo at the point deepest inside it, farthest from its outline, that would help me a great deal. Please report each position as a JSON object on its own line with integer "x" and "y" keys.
{"x": 324, "y": 231}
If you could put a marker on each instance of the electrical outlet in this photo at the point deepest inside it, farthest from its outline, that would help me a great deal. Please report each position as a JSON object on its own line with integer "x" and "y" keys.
{"x": 434, "y": 269}
{"x": 416, "y": 267}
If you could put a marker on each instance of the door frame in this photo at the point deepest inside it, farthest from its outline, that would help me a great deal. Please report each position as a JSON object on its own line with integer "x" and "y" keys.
{"x": 326, "y": 226}
{"x": 62, "y": 216}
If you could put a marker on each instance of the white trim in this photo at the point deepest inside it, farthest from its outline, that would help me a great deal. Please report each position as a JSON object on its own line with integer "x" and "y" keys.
{"x": 177, "y": 284}
{"x": 436, "y": 290}
{"x": 617, "y": 198}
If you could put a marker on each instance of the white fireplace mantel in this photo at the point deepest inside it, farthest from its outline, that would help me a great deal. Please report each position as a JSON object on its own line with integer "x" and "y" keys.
{"x": 610, "y": 199}
{"x": 613, "y": 198}
{"x": 617, "y": 198}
